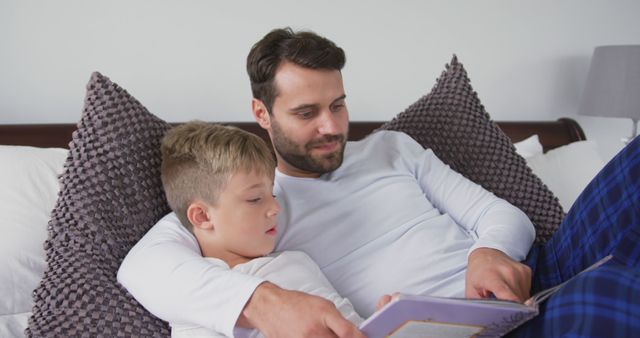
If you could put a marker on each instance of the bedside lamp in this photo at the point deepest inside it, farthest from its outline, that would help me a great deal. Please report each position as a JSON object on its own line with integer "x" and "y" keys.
{"x": 613, "y": 84}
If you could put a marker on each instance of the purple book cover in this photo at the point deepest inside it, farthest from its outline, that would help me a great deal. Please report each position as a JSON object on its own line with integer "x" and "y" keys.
{"x": 411, "y": 316}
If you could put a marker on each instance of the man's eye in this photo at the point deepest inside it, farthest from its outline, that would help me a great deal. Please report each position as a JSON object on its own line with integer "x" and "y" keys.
{"x": 305, "y": 115}
{"x": 337, "y": 107}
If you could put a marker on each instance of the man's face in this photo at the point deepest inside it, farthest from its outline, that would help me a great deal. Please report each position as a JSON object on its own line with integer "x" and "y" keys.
{"x": 309, "y": 121}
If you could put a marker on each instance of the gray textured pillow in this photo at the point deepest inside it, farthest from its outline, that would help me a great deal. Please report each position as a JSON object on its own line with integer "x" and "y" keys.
{"x": 110, "y": 196}
{"x": 453, "y": 123}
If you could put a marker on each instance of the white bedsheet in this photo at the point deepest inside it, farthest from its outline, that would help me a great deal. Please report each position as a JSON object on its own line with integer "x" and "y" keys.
{"x": 13, "y": 326}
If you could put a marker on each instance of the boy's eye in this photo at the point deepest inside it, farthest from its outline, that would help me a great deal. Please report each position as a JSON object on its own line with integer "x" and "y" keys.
{"x": 254, "y": 200}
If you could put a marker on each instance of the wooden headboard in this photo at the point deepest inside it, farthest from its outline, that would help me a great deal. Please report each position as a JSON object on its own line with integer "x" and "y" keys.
{"x": 552, "y": 133}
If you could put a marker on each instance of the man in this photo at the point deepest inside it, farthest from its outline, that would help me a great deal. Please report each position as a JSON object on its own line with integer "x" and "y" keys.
{"x": 378, "y": 216}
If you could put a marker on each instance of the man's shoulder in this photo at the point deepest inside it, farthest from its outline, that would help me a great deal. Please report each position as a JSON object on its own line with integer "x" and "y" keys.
{"x": 384, "y": 137}
{"x": 382, "y": 134}
{"x": 383, "y": 141}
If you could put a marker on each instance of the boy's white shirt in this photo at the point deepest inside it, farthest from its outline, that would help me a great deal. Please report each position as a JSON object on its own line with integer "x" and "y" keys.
{"x": 291, "y": 270}
{"x": 392, "y": 218}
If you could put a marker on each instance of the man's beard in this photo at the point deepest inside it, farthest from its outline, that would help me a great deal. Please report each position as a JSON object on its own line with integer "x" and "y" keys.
{"x": 302, "y": 159}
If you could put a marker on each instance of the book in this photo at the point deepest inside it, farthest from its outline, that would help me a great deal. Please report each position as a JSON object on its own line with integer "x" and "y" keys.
{"x": 420, "y": 316}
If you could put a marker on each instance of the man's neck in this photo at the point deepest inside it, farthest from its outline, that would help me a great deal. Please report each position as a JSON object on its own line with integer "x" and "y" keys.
{"x": 295, "y": 172}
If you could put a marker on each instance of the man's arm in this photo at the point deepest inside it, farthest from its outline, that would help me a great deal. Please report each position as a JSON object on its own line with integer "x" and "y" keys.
{"x": 503, "y": 233}
{"x": 166, "y": 273}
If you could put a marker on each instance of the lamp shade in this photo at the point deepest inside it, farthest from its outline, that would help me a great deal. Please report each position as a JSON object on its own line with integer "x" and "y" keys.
{"x": 613, "y": 83}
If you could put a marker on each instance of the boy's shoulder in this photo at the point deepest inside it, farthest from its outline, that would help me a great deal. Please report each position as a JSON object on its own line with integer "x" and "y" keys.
{"x": 292, "y": 255}
{"x": 294, "y": 258}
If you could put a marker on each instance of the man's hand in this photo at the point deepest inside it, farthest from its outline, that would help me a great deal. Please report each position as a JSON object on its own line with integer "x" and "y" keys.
{"x": 491, "y": 271}
{"x": 282, "y": 313}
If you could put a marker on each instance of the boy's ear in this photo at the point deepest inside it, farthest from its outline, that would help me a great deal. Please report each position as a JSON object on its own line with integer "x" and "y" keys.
{"x": 199, "y": 217}
{"x": 261, "y": 114}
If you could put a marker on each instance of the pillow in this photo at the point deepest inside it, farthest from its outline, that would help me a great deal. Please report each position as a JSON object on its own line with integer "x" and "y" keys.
{"x": 453, "y": 123}
{"x": 529, "y": 147}
{"x": 567, "y": 170}
{"x": 29, "y": 185}
{"x": 110, "y": 196}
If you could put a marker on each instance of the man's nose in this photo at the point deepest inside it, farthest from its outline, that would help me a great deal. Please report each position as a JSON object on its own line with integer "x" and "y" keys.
{"x": 328, "y": 124}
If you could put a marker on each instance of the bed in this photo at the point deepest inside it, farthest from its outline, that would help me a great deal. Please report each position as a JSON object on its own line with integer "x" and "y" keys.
{"x": 69, "y": 212}
{"x": 552, "y": 134}
{"x": 33, "y": 183}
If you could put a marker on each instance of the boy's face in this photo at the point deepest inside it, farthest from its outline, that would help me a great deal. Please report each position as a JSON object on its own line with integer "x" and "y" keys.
{"x": 244, "y": 217}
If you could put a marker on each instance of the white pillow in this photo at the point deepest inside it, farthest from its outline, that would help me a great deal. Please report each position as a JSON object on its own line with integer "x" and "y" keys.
{"x": 567, "y": 170}
{"x": 28, "y": 191}
{"x": 529, "y": 147}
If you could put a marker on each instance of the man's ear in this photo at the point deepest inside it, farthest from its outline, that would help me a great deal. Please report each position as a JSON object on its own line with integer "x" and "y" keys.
{"x": 199, "y": 217}
{"x": 261, "y": 114}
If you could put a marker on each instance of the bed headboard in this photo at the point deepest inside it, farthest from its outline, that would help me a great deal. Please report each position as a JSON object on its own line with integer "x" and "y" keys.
{"x": 552, "y": 133}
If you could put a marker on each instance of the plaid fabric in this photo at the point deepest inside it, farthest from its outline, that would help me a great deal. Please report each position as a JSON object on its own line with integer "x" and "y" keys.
{"x": 604, "y": 220}
{"x": 600, "y": 303}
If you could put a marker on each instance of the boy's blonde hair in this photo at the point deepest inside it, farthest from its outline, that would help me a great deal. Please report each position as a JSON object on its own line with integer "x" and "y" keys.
{"x": 198, "y": 159}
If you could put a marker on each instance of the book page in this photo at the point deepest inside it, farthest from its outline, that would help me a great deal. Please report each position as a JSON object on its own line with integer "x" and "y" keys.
{"x": 428, "y": 329}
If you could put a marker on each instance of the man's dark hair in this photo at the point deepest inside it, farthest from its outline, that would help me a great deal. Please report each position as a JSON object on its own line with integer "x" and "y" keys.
{"x": 303, "y": 48}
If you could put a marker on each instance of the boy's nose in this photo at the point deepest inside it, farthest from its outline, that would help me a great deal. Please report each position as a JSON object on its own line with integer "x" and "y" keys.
{"x": 275, "y": 209}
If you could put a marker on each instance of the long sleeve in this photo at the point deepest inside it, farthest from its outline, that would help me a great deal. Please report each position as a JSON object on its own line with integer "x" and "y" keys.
{"x": 491, "y": 221}
{"x": 165, "y": 272}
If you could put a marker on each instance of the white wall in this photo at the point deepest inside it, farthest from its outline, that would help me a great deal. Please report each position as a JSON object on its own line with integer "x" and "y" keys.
{"x": 185, "y": 59}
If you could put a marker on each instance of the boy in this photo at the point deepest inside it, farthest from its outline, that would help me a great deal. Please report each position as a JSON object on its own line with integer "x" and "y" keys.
{"x": 218, "y": 181}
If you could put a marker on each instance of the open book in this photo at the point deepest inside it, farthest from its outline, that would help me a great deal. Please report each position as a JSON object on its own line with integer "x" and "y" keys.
{"x": 415, "y": 316}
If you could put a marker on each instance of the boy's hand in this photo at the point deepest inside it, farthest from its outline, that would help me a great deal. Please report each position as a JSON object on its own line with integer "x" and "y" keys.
{"x": 282, "y": 313}
{"x": 386, "y": 299}
{"x": 491, "y": 271}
